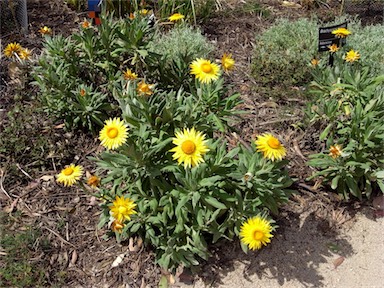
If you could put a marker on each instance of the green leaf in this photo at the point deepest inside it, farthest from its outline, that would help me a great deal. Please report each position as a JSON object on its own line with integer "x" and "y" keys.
{"x": 209, "y": 181}
{"x": 325, "y": 133}
{"x": 379, "y": 174}
{"x": 334, "y": 182}
{"x": 212, "y": 201}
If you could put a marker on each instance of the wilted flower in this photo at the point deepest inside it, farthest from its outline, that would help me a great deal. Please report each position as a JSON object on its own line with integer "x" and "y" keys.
{"x": 315, "y": 62}
{"x": 227, "y": 62}
{"x": 333, "y": 48}
{"x": 45, "y": 30}
{"x": 335, "y": 151}
{"x": 93, "y": 181}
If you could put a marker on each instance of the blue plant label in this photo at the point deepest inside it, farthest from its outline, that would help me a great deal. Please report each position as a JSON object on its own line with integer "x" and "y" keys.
{"x": 326, "y": 38}
{"x": 94, "y": 5}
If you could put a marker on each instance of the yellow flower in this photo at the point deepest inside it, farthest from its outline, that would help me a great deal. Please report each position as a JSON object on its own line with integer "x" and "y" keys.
{"x": 93, "y": 181}
{"x": 315, "y": 62}
{"x": 117, "y": 226}
{"x": 341, "y": 32}
{"x": 335, "y": 151}
{"x": 190, "y": 147}
{"x": 144, "y": 88}
{"x": 333, "y": 48}
{"x": 45, "y": 30}
{"x": 144, "y": 12}
{"x": 11, "y": 49}
{"x": 85, "y": 24}
{"x": 227, "y": 62}
{"x": 25, "y": 54}
{"x": 129, "y": 75}
{"x": 122, "y": 208}
{"x": 70, "y": 175}
{"x": 352, "y": 56}
{"x": 114, "y": 133}
{"x": 205, "y": 70}
{"x": 256, "y": 232}
{"x": 176, "y": 17}
{"x": 270, "y": 146}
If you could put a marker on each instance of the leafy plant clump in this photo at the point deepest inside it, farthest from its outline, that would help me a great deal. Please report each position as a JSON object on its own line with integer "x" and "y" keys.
{"x": 348, "y": 105}
{"x": 180, "y": 209}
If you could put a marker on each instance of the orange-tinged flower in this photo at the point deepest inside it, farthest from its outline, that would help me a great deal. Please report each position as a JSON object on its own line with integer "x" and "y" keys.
{"x": 129, "y": 75}
{"x": 83, "y": 92}
{"x": 25, "y": 54}
{"x": 45, "y": 30}
{"x": 93, "y": 181}
{"x": 335, "y": 151}
{"x": 117, "y": 226}
{"x": 145, "y": 89}
{"x": 11, "y": 49}
{"x": 85, "y": 24}
{"x": 131, "y": 16}
{"x": 333, "y": 48}
{"x": 315, "y": 62}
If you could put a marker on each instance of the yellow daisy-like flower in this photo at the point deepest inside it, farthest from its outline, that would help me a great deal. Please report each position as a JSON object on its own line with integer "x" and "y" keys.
{"x": 205, "y": 70}
{"x": 144, "y": 12}
{"x": 25, "y": 54}
{"x": 256, "y": 232}
{"x": 129, "y": 75}
{"x": 45, "y": 30}
{"x": 270, "y": 146}
{"x": 227, "y": 62}
{"x": 335, "y": 151}
{"x": 315, "y": 62}
{"x": 190, "y": 147}
{"x": 114, "y": 133}
{"x": 11, "y": 49}
{"x": 70, "y": 175}
{"x": 117, "y": 226}
{"x": 93, "y": 181}
{"x": 333, "y": 48}
{"x": 145, "y": 89}
{"x": 176, "y": 17}
{"x": 341, "y": 32}
{"x": 352, "y": 56}
{"x": 122, "y": 209}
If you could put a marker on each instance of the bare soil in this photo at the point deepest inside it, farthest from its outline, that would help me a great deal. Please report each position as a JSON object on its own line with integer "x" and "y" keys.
{"x": 321, "y": 241}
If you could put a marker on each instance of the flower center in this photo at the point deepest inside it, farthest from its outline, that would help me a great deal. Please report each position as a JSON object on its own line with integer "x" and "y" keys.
{"x": 257, "y": 235}
{"x": 206, "y": 67}
{"x": 68, "y": 171}
{"x": 273, "y": 143}
{"x": 122, "y": 210}
{"x": 112, "y": 132}
{"x": 188, "y": 147}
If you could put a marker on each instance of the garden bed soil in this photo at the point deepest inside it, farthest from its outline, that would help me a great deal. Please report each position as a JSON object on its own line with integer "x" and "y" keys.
{"x": 320, "y": 242}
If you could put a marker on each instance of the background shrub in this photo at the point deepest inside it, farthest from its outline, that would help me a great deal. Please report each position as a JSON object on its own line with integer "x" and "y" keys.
{"x": 283, "y": 52}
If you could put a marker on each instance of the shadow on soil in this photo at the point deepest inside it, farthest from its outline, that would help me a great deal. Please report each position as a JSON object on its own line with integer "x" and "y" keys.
{"x": 298, "y": 248}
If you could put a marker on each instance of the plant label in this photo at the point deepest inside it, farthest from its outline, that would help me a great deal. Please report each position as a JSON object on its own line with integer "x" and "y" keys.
{"x": 326, "y": 38}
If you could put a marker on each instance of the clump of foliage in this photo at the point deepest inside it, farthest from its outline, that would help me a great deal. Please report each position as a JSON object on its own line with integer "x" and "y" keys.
{"x": 77, "y": 74}
{"x": 179, "y": 210}
{"x": 283, "y": 52}
{"x": 349, "y": 106}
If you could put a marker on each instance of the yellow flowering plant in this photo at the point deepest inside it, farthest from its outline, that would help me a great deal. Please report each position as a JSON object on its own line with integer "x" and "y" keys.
{"x": 348, "y": 107}
{"x": 184, "y": 183}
